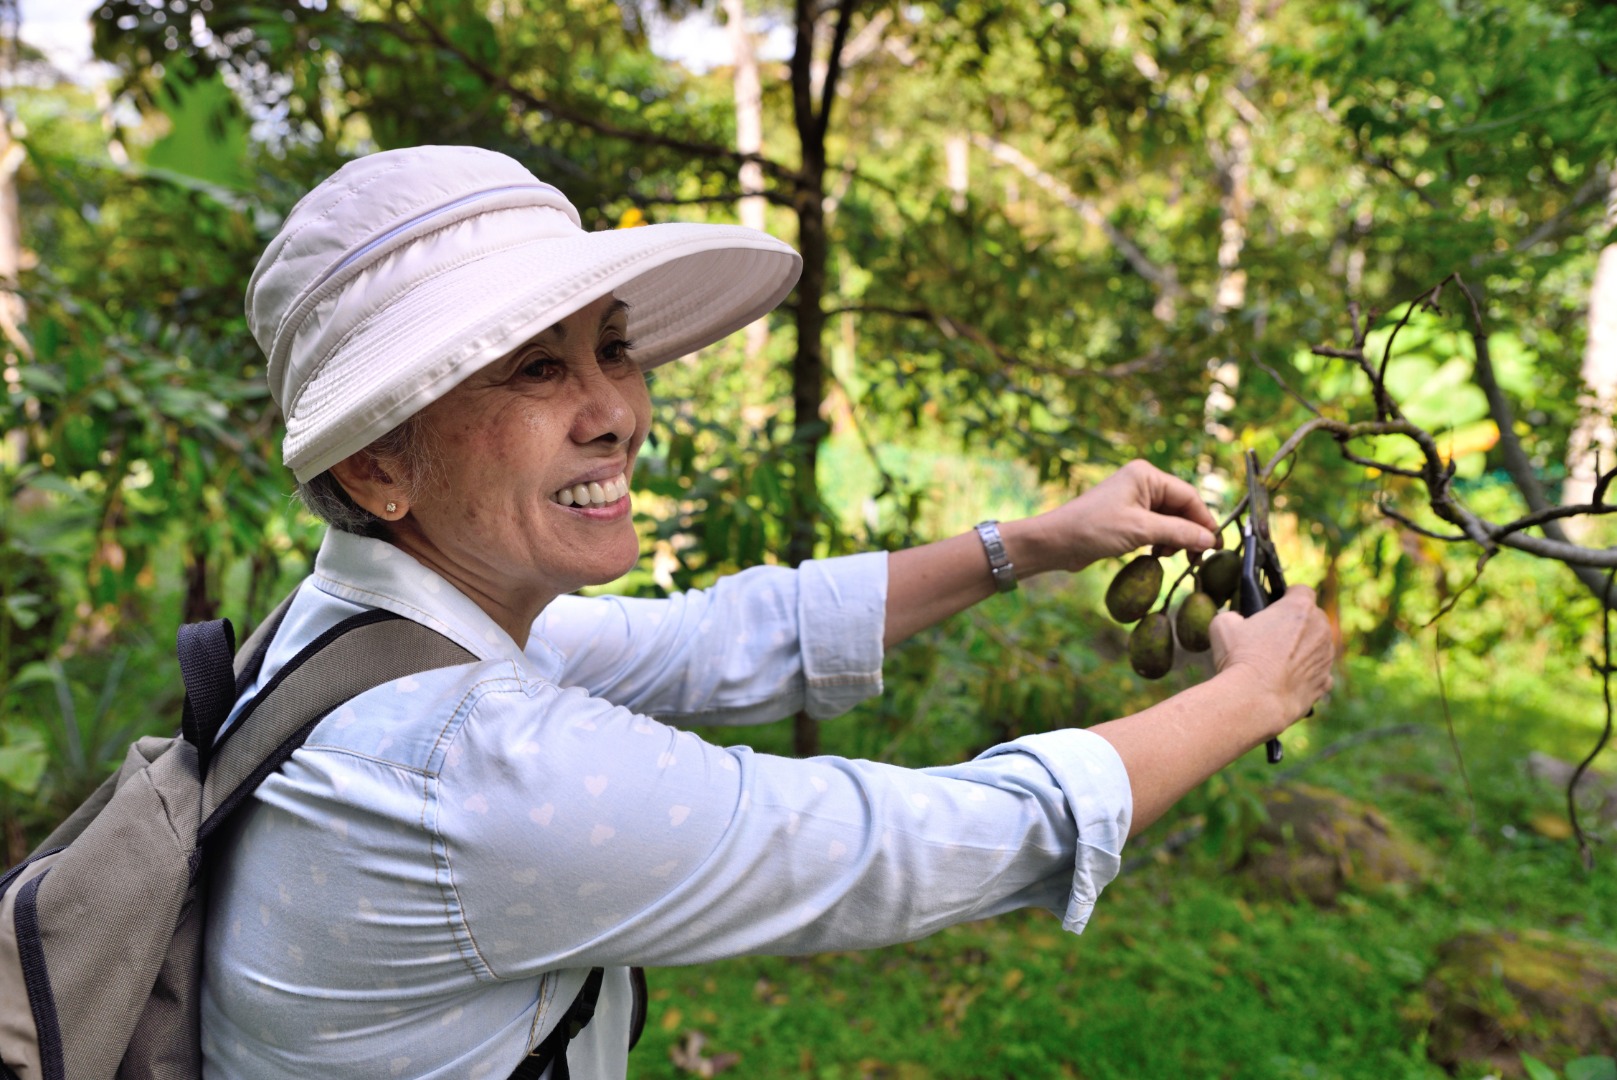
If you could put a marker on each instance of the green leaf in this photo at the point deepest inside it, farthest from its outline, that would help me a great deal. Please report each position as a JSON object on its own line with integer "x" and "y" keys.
{"x": 1592, "y": 1068}
{"x": 20, "y": 608}
{"x": 207, "y": 141}
{"x": 22, "y": 764}
{"x": 1536, "y": 1069}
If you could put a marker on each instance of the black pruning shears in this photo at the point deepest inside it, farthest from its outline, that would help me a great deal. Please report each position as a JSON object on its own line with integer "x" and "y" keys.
{"x": 1262, "y": 582}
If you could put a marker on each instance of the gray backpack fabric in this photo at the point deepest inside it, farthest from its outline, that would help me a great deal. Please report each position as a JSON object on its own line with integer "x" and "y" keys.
{"x": 101, "y": 928}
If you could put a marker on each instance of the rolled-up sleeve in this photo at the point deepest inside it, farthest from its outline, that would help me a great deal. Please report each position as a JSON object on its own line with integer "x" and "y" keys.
{"x": 757, "y": 646}
{"x": 1096, "y": 785}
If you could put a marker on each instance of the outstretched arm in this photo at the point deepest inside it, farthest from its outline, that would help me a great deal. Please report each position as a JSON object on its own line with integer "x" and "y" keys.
{"x": 1137, "y": 506}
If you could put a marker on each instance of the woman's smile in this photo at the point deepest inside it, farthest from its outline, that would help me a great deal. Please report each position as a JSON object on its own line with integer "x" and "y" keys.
{"x": 594, "y": 494}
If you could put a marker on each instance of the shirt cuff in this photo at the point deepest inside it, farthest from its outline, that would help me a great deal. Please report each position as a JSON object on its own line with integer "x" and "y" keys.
{"x": 841, "y": 616}
{"x": 1096, "y": 785}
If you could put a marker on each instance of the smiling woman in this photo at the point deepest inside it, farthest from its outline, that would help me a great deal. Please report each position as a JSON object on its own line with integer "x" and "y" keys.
{"x": 525, "y": 496}
{"x": 455, "y": 873}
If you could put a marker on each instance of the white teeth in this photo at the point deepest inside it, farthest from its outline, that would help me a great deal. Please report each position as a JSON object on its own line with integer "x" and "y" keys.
{"x": 595, "y": 493}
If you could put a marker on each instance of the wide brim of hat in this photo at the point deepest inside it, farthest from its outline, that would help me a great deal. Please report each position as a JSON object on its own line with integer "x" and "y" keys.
{"x": 687, "y": 285}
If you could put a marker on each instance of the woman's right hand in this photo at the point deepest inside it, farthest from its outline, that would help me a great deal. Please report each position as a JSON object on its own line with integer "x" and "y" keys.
{"x": 1286, "y": 649}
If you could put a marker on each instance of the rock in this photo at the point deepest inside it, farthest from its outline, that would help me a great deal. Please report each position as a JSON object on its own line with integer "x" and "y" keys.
{"x": 1597, "y": 792}
{"x": 1317, "y": 842}
{"x": 1497, "y": 994}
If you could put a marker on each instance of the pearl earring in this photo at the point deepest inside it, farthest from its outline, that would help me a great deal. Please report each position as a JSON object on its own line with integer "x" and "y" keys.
{"x": 392, "y": 507}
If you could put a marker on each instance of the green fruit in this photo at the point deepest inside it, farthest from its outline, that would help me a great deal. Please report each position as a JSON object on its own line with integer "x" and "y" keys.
{"x": 1195, "y": 622}
{"x": 1133, "y": 592}
{"x": 1220, "y": 575}
{"x": 1151, "y": 647}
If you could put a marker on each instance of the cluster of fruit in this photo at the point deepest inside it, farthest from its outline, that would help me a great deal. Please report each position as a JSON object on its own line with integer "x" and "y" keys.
{"x": 1133, "y": 594}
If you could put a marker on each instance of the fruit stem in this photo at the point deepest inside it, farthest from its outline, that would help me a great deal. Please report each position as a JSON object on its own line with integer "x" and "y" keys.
{"x": 1189, "y": 569}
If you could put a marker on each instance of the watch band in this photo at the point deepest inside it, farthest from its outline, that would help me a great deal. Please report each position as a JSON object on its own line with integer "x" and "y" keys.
{"x": 999, "y": 564}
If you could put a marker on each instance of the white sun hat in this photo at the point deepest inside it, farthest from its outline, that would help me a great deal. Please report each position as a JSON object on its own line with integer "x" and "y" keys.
{"x": 407, "y": 270}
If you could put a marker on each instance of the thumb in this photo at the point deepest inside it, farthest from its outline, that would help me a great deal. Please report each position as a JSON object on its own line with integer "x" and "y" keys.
{"x": 1224, "y": 624}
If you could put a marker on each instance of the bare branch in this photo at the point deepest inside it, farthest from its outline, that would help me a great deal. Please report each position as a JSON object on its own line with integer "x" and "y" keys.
{"x": 1275, "y": 375}
{"x": 1382, "y": 466}
{"x": 1164, "y": 278}
{"x": 1592, "y": 189}
{"x": 953, "y": 328}
{"x": 1415, "y": 527}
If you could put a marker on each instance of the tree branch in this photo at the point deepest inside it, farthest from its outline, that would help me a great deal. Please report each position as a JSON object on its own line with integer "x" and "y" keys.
{"x": 1164, "y": 278}
{"x": 1556, "y": 544}
{"x": 529, "y": 99}
{"x": 833, "y": 70}
{"x": 952, "y": 327}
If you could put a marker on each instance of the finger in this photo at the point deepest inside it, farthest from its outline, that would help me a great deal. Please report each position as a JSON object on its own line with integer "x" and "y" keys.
{"x": 1172, "y": 495}
{"x": 1177, "y": 534}
{"x": 1299, "y": 594}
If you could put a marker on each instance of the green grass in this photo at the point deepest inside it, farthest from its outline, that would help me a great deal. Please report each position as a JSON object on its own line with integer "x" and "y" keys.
{"x": 1183, "y": 971}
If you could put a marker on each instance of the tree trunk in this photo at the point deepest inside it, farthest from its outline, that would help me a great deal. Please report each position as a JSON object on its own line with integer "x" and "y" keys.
{"x": 808, "y": 363}
{"x": 749, "y": 105}
{"x": 1593, "y": 446}
{"x": 1234, "y": 159}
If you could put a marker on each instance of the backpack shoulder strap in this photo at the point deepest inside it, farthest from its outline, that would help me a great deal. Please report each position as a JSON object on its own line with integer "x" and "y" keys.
{"x": 358, "y": 654}
{"x": 205, "y": 650}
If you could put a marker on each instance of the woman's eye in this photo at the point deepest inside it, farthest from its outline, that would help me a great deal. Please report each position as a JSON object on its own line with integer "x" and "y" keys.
{"x": 541, "y": 367}
{"x": 616, "y": 352}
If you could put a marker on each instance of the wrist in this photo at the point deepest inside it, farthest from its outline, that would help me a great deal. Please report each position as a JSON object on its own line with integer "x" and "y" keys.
{"x": 1026, "y": 547}
{"x": 1263, "y": 706}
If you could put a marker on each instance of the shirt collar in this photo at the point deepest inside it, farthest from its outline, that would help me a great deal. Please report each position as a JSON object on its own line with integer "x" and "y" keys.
{"x": 375, "y": 573}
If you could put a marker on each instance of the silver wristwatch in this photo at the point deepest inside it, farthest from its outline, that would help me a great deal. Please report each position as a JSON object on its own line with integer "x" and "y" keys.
{"x": 999, "y": 564}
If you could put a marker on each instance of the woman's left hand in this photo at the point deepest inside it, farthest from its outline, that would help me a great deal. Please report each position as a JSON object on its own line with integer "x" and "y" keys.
{"x": 1136, "y": 506}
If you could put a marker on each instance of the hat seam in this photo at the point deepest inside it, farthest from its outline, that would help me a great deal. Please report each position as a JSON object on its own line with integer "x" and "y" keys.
{"x": 349, "y": 192}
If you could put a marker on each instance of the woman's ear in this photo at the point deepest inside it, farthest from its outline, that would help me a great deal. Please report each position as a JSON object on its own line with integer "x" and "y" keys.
{"x": 370, "y": 484}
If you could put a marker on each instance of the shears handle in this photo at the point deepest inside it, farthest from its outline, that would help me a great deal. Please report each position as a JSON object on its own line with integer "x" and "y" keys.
{"x": 1253, "y": 597}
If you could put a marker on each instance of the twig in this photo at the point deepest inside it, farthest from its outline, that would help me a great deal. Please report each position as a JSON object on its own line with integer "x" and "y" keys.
{"x": 1448, "y": 605}
{"x": 1275, "y": 375}
{"x": 1412, "y": 526}
{"x": 1384, "y": 402}
{"x": 1448, "y": 719}
{"x": 1347, "y": 742}
{"x": 1584, "y": 851}
{"x": 1381, "y": 466}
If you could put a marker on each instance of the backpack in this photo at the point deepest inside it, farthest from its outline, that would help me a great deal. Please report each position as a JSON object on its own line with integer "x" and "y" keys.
{"x": 101, "y": 927}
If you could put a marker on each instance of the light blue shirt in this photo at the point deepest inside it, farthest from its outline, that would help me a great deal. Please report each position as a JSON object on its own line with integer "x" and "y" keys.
{"x": 422, "y": 889}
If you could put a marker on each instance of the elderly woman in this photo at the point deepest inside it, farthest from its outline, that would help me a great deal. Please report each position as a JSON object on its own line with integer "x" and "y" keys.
{"x": 424, "y": 889}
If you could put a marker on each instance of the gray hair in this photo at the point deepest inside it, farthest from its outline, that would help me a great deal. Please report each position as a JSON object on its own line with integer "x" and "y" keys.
{"x": 409, "y": 455}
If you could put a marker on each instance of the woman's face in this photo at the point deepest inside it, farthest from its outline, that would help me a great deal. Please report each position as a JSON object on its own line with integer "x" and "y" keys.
{"x": 528, "y": 498}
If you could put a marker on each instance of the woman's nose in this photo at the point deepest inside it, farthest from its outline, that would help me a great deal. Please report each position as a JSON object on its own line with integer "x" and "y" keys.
{"x": 605, "y": 414}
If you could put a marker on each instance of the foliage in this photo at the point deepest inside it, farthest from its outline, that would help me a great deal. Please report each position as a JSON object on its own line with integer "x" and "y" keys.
{"x": 992, "y": 346}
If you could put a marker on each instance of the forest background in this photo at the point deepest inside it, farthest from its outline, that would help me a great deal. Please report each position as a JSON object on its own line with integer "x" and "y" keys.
{"x": 1039, "y": 239}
